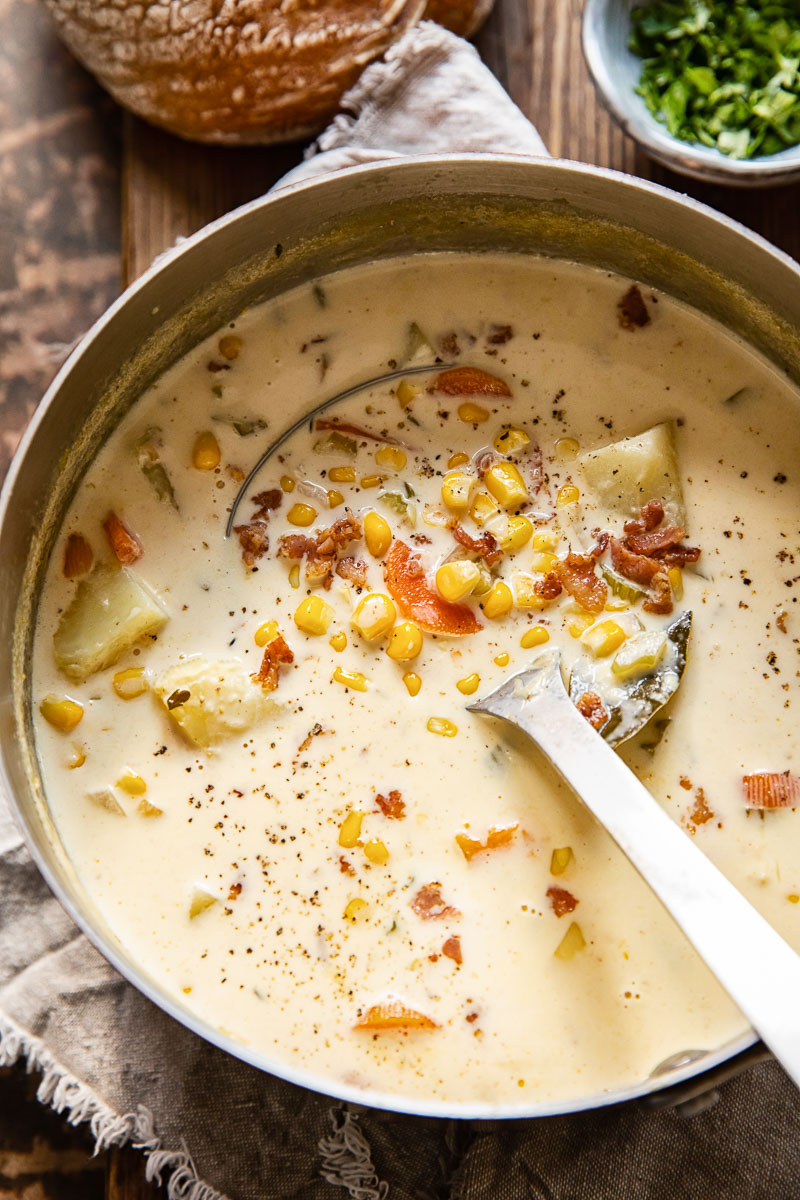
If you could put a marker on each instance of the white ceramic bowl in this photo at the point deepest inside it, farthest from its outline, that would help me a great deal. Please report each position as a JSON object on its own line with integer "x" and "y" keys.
{"x": 616, "y": 71}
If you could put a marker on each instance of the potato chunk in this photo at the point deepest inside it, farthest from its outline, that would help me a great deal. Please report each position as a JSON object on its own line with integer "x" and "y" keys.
{"x": 623, "y": 476}
{"x": 212, "y": 700}
{"x": 110, "y": 611}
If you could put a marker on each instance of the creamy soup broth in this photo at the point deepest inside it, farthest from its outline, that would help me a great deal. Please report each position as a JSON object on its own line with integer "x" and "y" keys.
{"x": 239, "y": 875}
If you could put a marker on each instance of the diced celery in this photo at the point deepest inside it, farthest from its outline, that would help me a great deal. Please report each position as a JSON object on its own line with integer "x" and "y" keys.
{"x": 640, "y": 654}
{"x": 336, "y": 443}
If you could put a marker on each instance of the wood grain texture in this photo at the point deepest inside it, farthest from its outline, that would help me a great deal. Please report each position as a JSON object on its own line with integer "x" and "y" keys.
{"x": 125, "y": 1177}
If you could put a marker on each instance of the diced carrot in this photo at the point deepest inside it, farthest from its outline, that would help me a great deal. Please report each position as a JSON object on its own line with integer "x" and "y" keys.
{"x": 468, "y": 381}
{"x": 125, "y": 544}
{"x": 470, "y": 846}
{"x": 771, "y": 790}
{"x": 407, "y": 583}
{"x": 78, "y": 556}
{"x": 392, "y": 1013}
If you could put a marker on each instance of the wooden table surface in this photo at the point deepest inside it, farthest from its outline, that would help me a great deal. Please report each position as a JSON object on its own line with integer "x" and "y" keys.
{"x": 88, "y": 196}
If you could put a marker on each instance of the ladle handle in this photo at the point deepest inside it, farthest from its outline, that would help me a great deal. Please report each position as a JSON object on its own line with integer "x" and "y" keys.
{"x": 753, "y": 963}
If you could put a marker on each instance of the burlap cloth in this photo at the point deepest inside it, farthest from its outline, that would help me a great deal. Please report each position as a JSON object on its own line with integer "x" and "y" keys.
{"x": 211, "y": 1126}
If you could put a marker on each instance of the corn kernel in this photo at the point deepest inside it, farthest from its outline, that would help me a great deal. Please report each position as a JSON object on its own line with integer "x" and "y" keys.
{"x": 469, "y": 685}
{"x": 335, "y": 498}
{"x": 351, "y": 679}
{"x": 568, "y": 494}
{"x": 376, "y": 852}
{"x": 536, "y": 636}
{"x": 371, "y": 481}
{"x": 301, "y": 514}
{"x": 134, "y": 785}
{"x": 390, "y": 456}
{"x": 287, "y": 483}
{"x": 457, "y": 460}
{"x": 498, "y": 601}
{"x": 229, "y": 346}
{"x": 793, "y": 898}
{"x": 456, "y": 488}
{"x": 506, "y": 484}
{"x": 483, "y": 508}
{"x": 502, "y": 659}
{"x": 342, "y": 475}
{"x": 413, "y": 683}
{"x": 676, "y": 582}
{"x": 405, "y": 642}
{"x": 578, "y": 623}
{"x": 356, "y": 908}
{"x": 77, "y": 756}
{"x": 615, "y": 604}
{"x": 205, "y": 452}
{"x": 473, "y": 414}
{"x": 543, "y": 562}
{"x": 61, "y": 712}
{"x": 560, "y": 860}
{"x": 455, "y": 580}
{"x": 374, "y": 616}
{"x": 518, "y": 534}
{"x": 572, "y": 942}
{"x": 294, "y": 576}
{"x": 525, "y": 594}
{"x": 267, "y": 633}
{"x": 545, "y": 539}
{"x": 339, "y": 641}
{"x": 407, "y": 391}
{"x": 567, "y": 448}
{"x": 442, "y": 726}
{"x": 604, "y": 638}
{"x": 509, "y": 440}
{"x": 350, "y": 830}
{"x": 130, "y": 683}
{"x": 377, "y": 534}
{"x": 313, "y": 616}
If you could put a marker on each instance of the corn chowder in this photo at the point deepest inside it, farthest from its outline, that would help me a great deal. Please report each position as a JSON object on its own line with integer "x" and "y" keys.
{"x": 258, "y": 752}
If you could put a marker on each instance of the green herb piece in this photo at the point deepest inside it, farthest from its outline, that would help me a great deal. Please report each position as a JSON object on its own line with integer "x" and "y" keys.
{"x": 726, "y": 75}
{"x": 244, "y": 426}
{"x": 151, "y": 466}
{"x": 400, "y": 505}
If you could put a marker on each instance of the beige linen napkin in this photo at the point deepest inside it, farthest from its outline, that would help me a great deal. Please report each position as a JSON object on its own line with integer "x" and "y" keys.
{"x": 211, "y": 1126}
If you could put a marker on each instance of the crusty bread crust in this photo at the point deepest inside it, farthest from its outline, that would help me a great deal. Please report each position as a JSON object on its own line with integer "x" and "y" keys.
{"x": 241, "y": 71}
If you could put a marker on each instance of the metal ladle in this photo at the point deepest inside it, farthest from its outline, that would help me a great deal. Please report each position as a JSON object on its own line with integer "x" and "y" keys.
{"x": 753, "y": 963}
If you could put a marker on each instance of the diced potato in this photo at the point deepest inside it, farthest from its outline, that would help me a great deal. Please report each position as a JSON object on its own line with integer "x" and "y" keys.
{"x": 110, "y": 612}
{"x": 106, "y": 799}
{"x": 626, "y": 474}
{"x": 640, "y": 655}
{"x": 212, "y": 700}
{"x": 201, "y": 901}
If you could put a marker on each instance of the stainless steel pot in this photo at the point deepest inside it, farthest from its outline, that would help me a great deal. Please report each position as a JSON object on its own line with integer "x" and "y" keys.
{"x": 466, "y": 203}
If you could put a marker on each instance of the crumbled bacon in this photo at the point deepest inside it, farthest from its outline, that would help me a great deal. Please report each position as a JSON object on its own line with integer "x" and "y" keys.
{"x": 452, "y": 949}
{"x": 345, "y": 867}
{"x": 646, "y": 552}
{"x": 254, "y": 540}
{"x": 651, "y": 516}
{"x": 235, "y": 890}
{"x": 320, "y": 552}
{"x": 678, "y": 556}
{"x": 700, "y": 813}
{"x": 276, "y": 653}
{"x": 124, "y": 543}
{"x": 660, "y": 599}
{"x": 656, "y": 542}
{"x": 295, "y": 546}
{"x": 354, "y": 570}
{"x": 770, "y": 789}
{"x": 563, "y": 902}
{"x": 429, "y": 905}
{"x": 499, "y": 334}
{"x": 267, "y": 501}
{"x": 636, "y": 567}
{"x": 577, "y": 575}
{"x": 468, "y": 381}
{"x": 486, "y": 546}
{"x": 392, "y": 806}
{"x": 632, "y": 310}
{"x": 601, "y": 539}
{"x": 549, "y": 587}
{"x": 590, "y": 705}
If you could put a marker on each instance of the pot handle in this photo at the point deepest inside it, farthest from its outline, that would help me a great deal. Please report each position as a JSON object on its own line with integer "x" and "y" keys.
{"x": 694, "y": 1096}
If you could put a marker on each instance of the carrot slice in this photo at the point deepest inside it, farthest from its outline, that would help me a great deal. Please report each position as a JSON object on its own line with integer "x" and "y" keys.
{"x": 771, "y": 790}
{"x": 405, "y": 579}
{"x": 392, "y": 1013}
{"x": 468, "y": 381}
{"x": 78, "y": 556}
{"x": 125, "y": 544}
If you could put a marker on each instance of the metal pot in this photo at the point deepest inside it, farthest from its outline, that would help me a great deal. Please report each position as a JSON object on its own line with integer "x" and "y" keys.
{"x": 465, "y": 203}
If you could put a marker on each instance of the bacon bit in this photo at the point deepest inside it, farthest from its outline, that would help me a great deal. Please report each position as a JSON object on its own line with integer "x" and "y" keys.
{"x": 406, "y": 581}
{"x": 392, "y": 1013}
{"x": 125, "y": 544}
{"x": 392, "y": 806}
{"x": 660, "y": 600}
{"x": 486, "y": 546}
{"x": 78, "y": 556}
{"x": 449, "y": 344}
{"x": 652, "y": 514}
{"x": 678, "y": 556}
{"x": 266, "y": 502}
{"x": 254, "y": 540}
{"x": 649, "y": 572}
{"x": 654, "y": 543}
{"x": 468, "y": 381}
{"x": 771, "y": 790}
{"x": 780, "y": 621}
{"x": 700, "y": 813}
{"x": 495, "y": 838}
{"x": 549, "y": 587}
{"x": 532, "y": 466}
{"x": 429, "y": 905}
{"x": 276, "y": 653}
{"x": 591, "y": 706}
{"x": 236, "y": 473}
{"x": 499, "y": 335}
{"x": 685, "y": 783}
{"x": 353, "y": 569}
{"x": 216, "y": 367}
{"x": 602, "y": 538}
{"x": 470, "y": 1018}
{"x": 295, "y": 546}
{"x": 357, "y": 431}
{"x": 236, "y": 890}
{"x": 486, "y": 459}
{"x": 452, "y": 949}
{"x": 632, "y": 310}
{"x": 563, "y": 902}
{"x": 320, "y": 552}
{"x": 345, "y": 867}
{"x": 577, "y": 574}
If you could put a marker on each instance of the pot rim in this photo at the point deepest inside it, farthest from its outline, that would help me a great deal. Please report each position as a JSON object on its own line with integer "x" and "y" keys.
{"x": 162, "y": 265}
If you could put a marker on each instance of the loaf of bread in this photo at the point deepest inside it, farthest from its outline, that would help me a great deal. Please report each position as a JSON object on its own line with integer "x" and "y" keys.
{"x": 241, "y": 71}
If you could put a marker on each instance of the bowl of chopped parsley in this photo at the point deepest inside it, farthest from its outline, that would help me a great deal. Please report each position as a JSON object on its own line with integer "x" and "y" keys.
{"x": 710, "y": 88}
